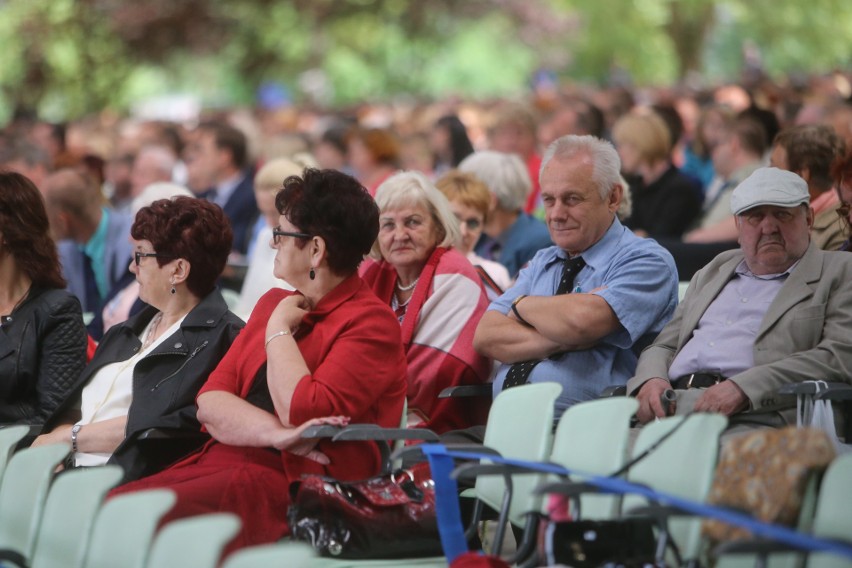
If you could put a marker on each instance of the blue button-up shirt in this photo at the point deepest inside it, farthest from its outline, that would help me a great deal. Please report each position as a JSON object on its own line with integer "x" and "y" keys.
{"x": 636, "y": 277}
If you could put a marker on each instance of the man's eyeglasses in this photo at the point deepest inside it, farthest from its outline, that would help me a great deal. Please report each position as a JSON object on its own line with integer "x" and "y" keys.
{"x": 137, "y": 256}
{"x": 278, "y": 233}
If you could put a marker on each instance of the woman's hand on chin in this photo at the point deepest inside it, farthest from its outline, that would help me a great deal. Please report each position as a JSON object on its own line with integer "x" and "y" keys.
{"x": 292, "y": 441}
{"x": 288, "y": 314}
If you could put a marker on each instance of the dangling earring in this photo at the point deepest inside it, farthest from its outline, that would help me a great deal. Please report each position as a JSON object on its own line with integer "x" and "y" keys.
{"x": 173, "y": 291}
{"x": 312, "y": 274}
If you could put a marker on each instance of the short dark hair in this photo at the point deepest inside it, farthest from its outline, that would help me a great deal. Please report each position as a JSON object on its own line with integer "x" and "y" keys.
{"x": 751, "y": 134}
{"x": 227, "y": 137}
{"x": 189, "y": 228}
{"x": 812, "y": 146}
{"x": 26, "y": 231}
{"x": 334, "y": 206}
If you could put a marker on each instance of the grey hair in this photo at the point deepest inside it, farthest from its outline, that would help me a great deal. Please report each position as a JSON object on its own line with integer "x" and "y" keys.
{"x": 606, "y": 164}
{"x": 410, "y": 189}
{"x": 505, "y": 175}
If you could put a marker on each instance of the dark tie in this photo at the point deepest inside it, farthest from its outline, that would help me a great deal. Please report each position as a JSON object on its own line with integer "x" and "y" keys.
{"x": 92, "y": 301}
{"x": 519, "y": 373}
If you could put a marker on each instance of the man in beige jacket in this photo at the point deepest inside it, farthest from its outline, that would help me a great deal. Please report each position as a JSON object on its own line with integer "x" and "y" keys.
{"x": 778, "y": 310}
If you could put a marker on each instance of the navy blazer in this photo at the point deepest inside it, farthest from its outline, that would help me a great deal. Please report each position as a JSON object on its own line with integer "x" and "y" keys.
{"x": 117, "y": 255}
{"x": 241, "y": 210}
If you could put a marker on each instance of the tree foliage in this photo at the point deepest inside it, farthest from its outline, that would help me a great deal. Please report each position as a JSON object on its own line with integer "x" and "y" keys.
{"x": 71, "y": 57}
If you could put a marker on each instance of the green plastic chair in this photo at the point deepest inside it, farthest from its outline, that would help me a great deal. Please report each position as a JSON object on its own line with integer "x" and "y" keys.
{"x": 520, "y": 426}
{"x": 124, "y": 528}
{"x": 682, "y": 465}
{"x": 194, "y": 542}
{"x": 22, "y": 496}
{"x": 294, "y": 554}
{"x": 593, "y": 437}
{"x": 9, "y": 438}
{"x": 833, "y": 518}
{"x": 69, "y": 514}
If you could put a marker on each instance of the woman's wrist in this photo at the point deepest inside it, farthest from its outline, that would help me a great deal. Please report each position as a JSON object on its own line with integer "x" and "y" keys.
{"x": 275, "y": 336}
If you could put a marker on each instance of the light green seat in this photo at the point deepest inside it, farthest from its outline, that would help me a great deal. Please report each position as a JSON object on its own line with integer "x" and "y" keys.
{"x": 194, "y": 542}
{"x": 833, "y": 517}
{"x": 682, "y": 465}
{"x": 125, "y": 527}
{"x": 592, "y": 437}
{"x": 294, "y": 554}
{"x": 23, "y": 493}
{"x": 69, "y": 514}
{"x": 9, "y": 438}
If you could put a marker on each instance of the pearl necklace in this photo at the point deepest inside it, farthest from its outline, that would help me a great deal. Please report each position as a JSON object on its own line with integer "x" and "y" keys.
{"x": 411, "y": 286}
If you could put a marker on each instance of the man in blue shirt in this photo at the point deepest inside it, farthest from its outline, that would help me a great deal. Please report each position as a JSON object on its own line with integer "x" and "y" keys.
{"x": 586, "y": 337}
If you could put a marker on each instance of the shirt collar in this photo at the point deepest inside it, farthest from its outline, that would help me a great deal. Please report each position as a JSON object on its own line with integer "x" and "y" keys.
{"x": 742, "y": 269}
{"x": 599, "y": 254}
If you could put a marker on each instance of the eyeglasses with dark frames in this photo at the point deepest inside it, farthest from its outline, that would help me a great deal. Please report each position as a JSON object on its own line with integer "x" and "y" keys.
{"x": 277, "y": 233}
{"x": 137, "y": 256}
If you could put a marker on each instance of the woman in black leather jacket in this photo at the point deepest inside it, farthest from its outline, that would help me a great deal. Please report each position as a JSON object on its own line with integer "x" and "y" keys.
{"x": 147, "y": 371}
{"x": 42, "y": 336}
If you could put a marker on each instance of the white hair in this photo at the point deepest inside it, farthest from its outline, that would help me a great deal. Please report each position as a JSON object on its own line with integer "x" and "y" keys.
{"x": 411, "y": 189}
{"x": 505, "y": 175}
{"x": 156, "y": 191}
{"x": 606, "y": 164}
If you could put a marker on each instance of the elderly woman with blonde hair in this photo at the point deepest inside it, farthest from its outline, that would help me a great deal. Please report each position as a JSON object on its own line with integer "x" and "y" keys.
{"x": 437, "y": 296}
{"x": 665, "y": 201}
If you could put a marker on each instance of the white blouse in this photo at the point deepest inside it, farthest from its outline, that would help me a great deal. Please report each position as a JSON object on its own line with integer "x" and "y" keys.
{"x": 110, "y": 391}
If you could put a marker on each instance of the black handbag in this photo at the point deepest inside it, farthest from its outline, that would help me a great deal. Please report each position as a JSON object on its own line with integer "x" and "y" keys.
{"x": 586, "y": 544}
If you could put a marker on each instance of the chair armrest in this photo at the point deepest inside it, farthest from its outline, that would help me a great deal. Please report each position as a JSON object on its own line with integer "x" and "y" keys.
{"x": 809, "y": 387}
{"x": 836, "y": 392}
{"x": 474, "y": 470}
{"x": 567, "y": 488}
{"x": 321, "y": 431}
{"x": 758, "y": 546}
{"x": 171, "y": 434}
{"x": 414, "y": 452}
{"x": 617, "y": 390}
{"x": 481, "y": 390}
{"x": 376, "y": 433}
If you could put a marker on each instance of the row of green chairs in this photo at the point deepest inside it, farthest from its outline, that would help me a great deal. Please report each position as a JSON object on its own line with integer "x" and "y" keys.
{"x": 50, "y": 520}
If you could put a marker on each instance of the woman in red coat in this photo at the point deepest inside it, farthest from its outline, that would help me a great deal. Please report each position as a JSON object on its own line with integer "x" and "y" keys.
{"x": 330, "y": 349}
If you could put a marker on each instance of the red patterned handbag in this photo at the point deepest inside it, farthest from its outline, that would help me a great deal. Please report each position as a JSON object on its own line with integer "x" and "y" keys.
{"x": 387, "y": 516}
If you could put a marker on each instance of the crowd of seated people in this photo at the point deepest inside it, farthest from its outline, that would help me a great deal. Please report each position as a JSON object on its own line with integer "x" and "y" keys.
{"x": 506, "y": 261}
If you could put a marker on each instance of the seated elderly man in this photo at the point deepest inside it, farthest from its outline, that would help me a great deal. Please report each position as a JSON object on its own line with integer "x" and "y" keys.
{"x": 580, "y": 312}
{"x": 778, "y": 310}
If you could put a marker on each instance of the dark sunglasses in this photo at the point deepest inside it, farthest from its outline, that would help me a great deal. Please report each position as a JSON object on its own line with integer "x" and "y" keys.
{"x": 139, "y": 255}
{"x": 278, "y": 233}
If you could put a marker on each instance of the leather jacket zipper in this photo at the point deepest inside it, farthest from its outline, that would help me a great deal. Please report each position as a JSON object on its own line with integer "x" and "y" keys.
{"x": 188, "y": 359}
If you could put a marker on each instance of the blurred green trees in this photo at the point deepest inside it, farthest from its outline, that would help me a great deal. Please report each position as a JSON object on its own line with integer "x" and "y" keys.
{"x": 67, "y": 58}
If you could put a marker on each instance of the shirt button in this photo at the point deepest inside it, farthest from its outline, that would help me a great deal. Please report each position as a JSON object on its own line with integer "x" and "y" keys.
{"x": 712, "y": 344}
{"x": 729, "y": 322}
{"x": 743, "y": 300}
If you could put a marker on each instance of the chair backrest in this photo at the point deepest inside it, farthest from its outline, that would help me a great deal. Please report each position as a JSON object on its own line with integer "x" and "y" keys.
{"x": 125, "y": 527}
{"x": 520, "y": 426}
{"x": 592, "y": 437}
{"x": 22, "y": 496}
{"x": 69, "y": 513}
{"x": 194, "y": 542}
{"x": 682, "y": 465}
{"x": 832, "y": 518}
{"x": 9, "y": 438}
{"x": 296, "y": 554}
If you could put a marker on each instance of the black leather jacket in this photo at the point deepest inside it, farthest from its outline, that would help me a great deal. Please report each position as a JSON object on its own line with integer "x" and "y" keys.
{"x": 165, "y": 382}
{"x": 42, "y": 352}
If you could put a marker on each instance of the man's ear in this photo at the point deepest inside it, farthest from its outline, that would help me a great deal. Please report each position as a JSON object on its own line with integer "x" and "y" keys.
{"x": 615, "y": 197}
